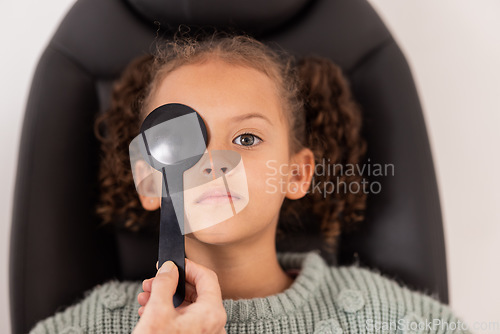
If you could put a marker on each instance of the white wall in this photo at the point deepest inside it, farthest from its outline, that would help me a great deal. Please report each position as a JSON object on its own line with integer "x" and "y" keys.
{"x": 25, "y": 29}
{"x": 453, "y": 47}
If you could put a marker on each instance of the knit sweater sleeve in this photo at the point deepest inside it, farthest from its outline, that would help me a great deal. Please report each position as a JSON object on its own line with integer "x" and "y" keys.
{"x": 108, "y": 308}
{"x": 391, "y": 307}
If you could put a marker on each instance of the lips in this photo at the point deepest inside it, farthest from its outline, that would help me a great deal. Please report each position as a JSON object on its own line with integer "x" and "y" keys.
{"x": 217, "y": 196}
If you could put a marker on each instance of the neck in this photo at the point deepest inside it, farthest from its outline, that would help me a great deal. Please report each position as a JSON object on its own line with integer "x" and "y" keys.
{"x": 245, "y": 269}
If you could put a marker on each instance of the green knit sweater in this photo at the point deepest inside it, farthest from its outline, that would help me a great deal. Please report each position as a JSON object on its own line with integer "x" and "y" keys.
{"x": 322, "y": 299}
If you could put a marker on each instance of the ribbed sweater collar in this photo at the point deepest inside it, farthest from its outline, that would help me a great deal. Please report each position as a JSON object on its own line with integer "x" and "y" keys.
{"x": 312, "y": 269}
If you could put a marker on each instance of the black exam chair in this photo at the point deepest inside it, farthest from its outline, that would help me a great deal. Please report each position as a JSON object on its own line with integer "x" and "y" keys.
{"x": 57, "y": 252}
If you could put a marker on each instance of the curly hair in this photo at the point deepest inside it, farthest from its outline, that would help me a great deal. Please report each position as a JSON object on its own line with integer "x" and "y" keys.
{"x": 319, "y": 108}
{"x": 115, "y": 129}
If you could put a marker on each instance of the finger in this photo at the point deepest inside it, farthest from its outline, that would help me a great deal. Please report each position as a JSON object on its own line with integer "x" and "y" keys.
{"x": 157, "y": 265}
{"x": 181, "y": 308}
{"x": 190, "y": 295}
{"x": 163, "y": 288}
{"x": 143, "y": 298}
{"x": 140, "y": 311}
{"x": 146, "y": 284}
{"x": 205, "y": 282}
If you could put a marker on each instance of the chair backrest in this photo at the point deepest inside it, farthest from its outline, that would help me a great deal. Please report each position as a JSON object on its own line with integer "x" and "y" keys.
{"x": 57, "y": 251}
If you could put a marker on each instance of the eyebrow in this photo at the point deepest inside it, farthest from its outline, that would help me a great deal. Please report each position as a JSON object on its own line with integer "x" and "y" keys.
{"x": 250, "y": 115}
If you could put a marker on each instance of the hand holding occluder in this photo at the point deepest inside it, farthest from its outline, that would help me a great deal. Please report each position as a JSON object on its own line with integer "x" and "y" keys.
{"x": 201, "y": 312}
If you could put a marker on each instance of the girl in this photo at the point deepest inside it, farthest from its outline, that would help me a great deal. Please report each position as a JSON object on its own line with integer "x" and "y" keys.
{"x": 269, "y": 108}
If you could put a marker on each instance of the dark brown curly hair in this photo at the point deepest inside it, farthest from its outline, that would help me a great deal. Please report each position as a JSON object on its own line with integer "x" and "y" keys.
{"x": 320, "y": 110}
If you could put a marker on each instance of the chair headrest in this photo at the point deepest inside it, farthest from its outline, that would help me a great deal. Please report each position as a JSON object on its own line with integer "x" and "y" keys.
{"x": 256, "y": 16}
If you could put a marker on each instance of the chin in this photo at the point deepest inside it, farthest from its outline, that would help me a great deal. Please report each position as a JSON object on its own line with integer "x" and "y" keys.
{"x": 218, "y": 234}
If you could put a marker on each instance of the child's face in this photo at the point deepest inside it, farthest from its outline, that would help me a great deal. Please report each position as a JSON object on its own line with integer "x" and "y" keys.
{"x": 236, "y": 100}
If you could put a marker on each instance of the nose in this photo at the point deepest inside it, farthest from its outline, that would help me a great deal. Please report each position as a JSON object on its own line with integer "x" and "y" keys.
{"x": 214, "y": 164}
{"x": 209, "y": 171}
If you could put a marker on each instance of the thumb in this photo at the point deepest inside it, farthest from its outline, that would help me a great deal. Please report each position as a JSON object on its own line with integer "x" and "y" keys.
{"x": 163, "y": 287}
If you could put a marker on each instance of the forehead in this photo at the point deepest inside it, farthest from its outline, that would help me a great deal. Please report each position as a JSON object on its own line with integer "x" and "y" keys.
{"x": 217, "y": 89}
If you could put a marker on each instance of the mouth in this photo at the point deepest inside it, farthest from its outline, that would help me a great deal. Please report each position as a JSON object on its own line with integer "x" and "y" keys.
{"x": 217, "y": 196}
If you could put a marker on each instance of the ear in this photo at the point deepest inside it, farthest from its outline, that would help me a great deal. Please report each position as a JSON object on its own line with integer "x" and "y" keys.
{"x": 141, "y": 170}
{"x": 150, "y": 203}
{"x": 300, "y": 174}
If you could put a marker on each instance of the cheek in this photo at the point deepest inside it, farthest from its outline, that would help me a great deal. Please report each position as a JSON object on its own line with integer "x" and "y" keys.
{"x": 265, "y": 185}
